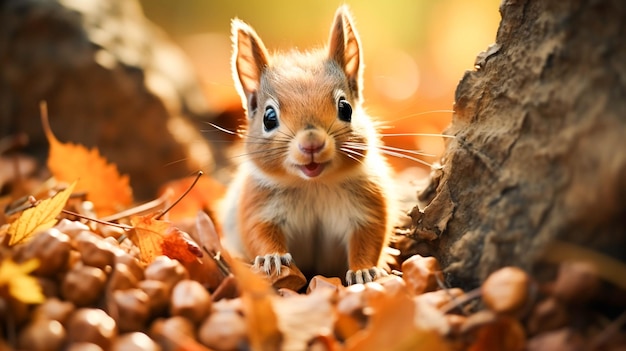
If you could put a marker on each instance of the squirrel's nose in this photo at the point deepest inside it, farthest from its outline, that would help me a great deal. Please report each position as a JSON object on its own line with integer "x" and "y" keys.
{"x": 311, "y": 146}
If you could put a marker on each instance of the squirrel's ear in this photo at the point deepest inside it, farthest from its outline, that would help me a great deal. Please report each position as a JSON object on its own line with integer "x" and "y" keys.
{"x": 250, "y": 58}
{"x": 345, "y": 48}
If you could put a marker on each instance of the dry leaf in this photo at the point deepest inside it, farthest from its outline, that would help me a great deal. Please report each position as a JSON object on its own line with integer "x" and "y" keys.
{"x": 21, "y": 285}
{"x": 40, "y": 217}
{"x": 301, "y": 318}
{"x": 155, "y": 238}
{"x": 395, "y": 326}
{"x": 257, "y": 296}
{"x": 105, "y": 187}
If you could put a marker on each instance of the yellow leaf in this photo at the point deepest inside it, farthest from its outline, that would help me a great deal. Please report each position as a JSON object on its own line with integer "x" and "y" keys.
{"x": 38, "y": 218}
{"x": 21, "y": 286}
{"x": 109, "y": 191}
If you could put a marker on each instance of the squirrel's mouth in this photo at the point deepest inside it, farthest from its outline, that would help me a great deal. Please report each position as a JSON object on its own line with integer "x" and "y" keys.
{"x": 312, "y": 169}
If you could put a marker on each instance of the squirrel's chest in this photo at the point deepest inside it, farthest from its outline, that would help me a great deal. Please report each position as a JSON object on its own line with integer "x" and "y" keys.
{"x": 317, "y": 212}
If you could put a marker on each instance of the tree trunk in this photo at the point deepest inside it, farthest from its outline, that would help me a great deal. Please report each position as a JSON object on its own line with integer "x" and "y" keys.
{"x": 539, "y": 154}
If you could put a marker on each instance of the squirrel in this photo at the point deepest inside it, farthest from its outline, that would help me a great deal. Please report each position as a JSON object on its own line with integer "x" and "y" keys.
{"x": 314, "y": 190}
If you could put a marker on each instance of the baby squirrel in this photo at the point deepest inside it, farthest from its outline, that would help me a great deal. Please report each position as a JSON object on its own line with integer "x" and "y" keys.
{"x": 314, "y": 189}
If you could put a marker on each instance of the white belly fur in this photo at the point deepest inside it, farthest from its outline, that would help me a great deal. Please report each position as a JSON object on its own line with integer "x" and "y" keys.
{"x": 317, "y": 220}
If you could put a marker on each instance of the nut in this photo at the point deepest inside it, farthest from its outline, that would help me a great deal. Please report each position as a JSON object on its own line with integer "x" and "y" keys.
{"x": 166, "y": 270}
{"x": 54, "y": 309}
{"x": 131, "y": 262}
{"x": 191, "y": 300}
{"x": 94, "y": 250}
{"x": 42, "y": 334}
{"x": 130, "y": 308}
{"x": 52, "y": 248}
{"x": 135, "y": 342}
{"x": 83, "y": 285}
{"x": 506, "y": 290}
{"x": 83, "y": 346}
{"x": 225, "y": 330}
{"x": 122, "y": 278}
{"x": 158, "y": 296}
{"x": 421, "y": 274}
{"x": 169, "y": 332}
{"x": 92, "y": 325}
{"x": 71, "y": 228}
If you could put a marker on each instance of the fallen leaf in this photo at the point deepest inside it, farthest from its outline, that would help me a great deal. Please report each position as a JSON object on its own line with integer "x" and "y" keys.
{"x": 397, "y": 324}
{"x": 156, "y": 237}
{"x": 257, "y": 296}
{"x": 176, "y": 244}
{"x": 301, "y": 318}
{"x": 41, "y": 217}
{"x": 21, "y": 285}
{"x": 105, "y": 187}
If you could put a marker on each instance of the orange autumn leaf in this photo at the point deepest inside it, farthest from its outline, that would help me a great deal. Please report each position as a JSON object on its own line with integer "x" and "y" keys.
{"x": 20, "y": 285}
{"x": 38, "y": 218}
{"x": 105, "y": 187}
{"x": 262, "y": 321}
{"x": 156, "y": 238}
{"x": 397, "y": 324}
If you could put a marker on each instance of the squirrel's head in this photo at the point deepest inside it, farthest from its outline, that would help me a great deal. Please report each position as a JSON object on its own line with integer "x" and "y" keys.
{"x": 304, "y": 113}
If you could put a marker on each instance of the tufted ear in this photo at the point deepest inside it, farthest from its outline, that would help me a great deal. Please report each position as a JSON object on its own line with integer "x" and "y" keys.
{"x": 250, "y": 58}
{"x": 345, "y": 48}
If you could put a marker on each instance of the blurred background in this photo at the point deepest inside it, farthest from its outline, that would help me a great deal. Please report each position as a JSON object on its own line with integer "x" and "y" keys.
{"x": 415, "y": 51}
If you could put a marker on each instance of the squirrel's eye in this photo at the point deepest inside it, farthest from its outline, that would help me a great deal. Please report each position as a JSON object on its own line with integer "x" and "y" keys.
{"x": 270, "y": 119}
{"x": 344, "y": 110}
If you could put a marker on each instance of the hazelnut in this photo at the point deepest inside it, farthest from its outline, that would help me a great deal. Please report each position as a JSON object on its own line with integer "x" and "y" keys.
{"x": 169, "y": 332}
{"x": 191, "y": 300}
{"x": 71, "y": 228}
{"x": 135, "y": 342}
{"x": 42, "y": 334}
{"x": 166, "y": 270}
{"x": 94, "y": 250}
{"x": 122, "y": 278}
{"x": 52, "y": 248}
{"x": 131, "y": 262}
{"x": 130, "y": 308}
{"x": 224, "y": 330}
{"x": 83, "y": 346}
{"x": 158, "y": 295}
{"x": 54, "y": 309}
{"x": 506, "y": 290}
{"x": 421, "y": 274}
{"x": 172, "y": 326}
{"x": 93, "y": 326}
{"x": 83, "y": 285}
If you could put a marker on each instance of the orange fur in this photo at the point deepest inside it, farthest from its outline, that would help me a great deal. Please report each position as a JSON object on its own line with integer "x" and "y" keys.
{"x": 305, "y": 190}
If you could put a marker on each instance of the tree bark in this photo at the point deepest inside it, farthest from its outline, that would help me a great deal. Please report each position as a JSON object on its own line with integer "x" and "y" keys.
{"x": 539, "y": 148}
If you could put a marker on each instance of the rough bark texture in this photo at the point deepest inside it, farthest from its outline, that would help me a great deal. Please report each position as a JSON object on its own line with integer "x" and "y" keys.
{"x": 111, "y": 80}
{"x": 540, "y": 142}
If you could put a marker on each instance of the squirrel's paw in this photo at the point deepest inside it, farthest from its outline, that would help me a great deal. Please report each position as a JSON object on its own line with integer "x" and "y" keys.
{"x": 363, "y": 276}
{"x": 272, "y": 260}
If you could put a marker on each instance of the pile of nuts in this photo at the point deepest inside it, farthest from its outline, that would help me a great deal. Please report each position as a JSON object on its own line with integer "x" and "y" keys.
{"x": 100, "y": 297}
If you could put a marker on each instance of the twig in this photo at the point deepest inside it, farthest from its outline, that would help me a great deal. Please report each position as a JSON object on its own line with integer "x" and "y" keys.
{"x": 200, "y": 173}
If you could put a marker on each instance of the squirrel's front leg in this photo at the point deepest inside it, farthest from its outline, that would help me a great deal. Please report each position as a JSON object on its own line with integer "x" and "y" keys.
{"x": 366, "y": 246}
{"x": 267, "y": 244}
